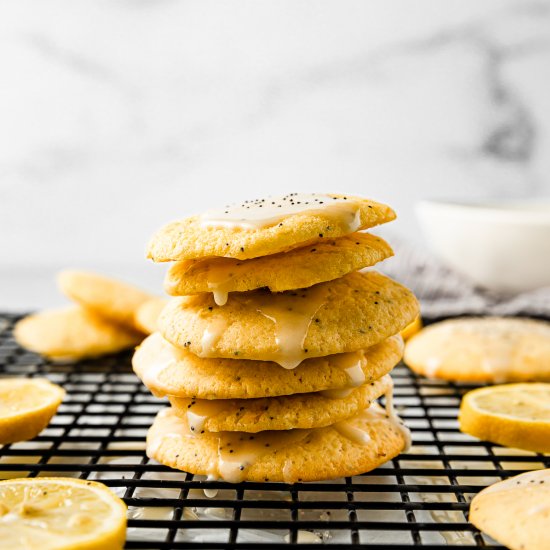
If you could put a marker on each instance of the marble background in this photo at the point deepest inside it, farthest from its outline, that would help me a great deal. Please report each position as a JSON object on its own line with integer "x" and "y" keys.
{"x": 119, "y": 115}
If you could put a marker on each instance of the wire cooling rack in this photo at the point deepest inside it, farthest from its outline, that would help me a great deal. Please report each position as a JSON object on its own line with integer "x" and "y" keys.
{"x": 419, "y": 499}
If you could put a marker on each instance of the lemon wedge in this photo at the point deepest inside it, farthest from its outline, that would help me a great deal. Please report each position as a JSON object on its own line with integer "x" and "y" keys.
{"x": 60, "y": 514}
{"x": 412, "y": 328}
{"x": 26, "y": 407}
{"x": 514, "y": 415}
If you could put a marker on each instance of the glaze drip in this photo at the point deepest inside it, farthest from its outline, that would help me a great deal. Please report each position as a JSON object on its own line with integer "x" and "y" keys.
{"x": 292, "y": 312}
{"x": 210, "y": 493}
{"x": 396, "y": 421}
{"x": 354, "y": 428}
{"x": 211, "y": 336}
{"x": 199, "y": 410}
{"x": 238, "y": 451}
{"x": 261, "y": 213}
{"x": 220, "y": 296}
{"x": 218, "y": 273}
{"x": 353, "y": 433}
{"x": 353, "y": 365}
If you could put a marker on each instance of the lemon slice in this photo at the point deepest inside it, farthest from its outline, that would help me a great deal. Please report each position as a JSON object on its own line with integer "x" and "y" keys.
{"x": 514, "y": 415}
{"x": 60, "y": 513}
{"x": 26, "y": 407}
{"x": 412, "y": 328}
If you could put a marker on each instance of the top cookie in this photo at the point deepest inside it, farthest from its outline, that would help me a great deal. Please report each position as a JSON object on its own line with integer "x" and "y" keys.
{"x": 476, "y": 349}
{"x": 347, "y": 314}
{"x": 298, "y": 268}
{"x": 266, "y": 226}
{"x": 109, "y": 298}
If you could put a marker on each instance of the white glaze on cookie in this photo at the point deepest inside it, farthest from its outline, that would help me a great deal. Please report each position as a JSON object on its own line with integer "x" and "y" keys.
{"x": 352, "y": 364}
{"x": 396, "y": 421}
{"x": 237, "y": 451}
{"x": 353, "y": 433}
{"x": 218, "y": 272}
{"x": 261, "y": 213}
{"x": 292, "y": 314}
{"x": 211, "y": 336}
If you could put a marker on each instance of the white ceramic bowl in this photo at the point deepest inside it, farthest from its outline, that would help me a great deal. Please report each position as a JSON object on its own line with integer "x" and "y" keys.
{"x": 500, "y": 246}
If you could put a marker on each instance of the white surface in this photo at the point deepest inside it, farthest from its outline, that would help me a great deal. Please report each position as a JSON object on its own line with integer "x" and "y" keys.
{"x": 120, "y": 115}
{"x": 504, "y": 248}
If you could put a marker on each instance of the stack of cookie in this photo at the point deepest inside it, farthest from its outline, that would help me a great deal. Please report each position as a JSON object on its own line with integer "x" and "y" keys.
{"x": 276, "y": 346}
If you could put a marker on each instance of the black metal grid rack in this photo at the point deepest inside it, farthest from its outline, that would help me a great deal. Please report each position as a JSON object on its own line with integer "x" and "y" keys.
{"x": 418, "y": 499}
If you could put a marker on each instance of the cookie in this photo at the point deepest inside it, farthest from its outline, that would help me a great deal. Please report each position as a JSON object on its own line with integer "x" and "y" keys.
{"x": 266, "y": 226}
{"x": 347, "y": 448}
{"x": 348, "y": 314}
{"x": 72, "y": 333}
{"x": 302, "y": 410}
{"x": 109, "y": 298}
{"x": 167, "y": 370}
{"x": 482, "y": 349}
{"x": 516, "y": 511}
{"x": 298, "y": 268}
{"x": 147, "y": 314}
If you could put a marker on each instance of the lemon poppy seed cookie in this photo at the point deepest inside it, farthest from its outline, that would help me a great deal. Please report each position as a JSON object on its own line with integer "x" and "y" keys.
{"x": 266, "y": 226}
{"x": 302, "y": 410}
{"x": 302, "y": 267}
{"x": 168, "y": 370}
{"x": 346, "y": 448}
{"x": 72, "y": 333}
{"x": 488, "y": 349}
{"x": 276, "y": 346}
{"x": 350, "y": 313}
{"x": 516, "y": 511}
{"x": 112, "y": 299}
